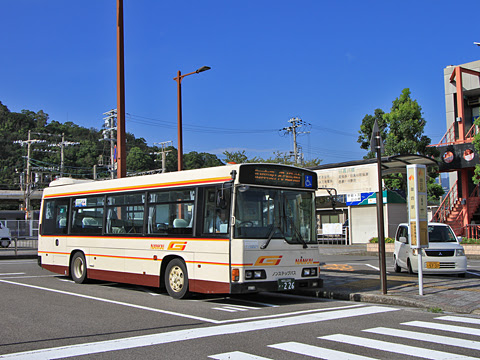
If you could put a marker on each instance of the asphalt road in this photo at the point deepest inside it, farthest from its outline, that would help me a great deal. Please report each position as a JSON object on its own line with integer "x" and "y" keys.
{"x": 48, "y": 316}
{"x": 363, "y": 263}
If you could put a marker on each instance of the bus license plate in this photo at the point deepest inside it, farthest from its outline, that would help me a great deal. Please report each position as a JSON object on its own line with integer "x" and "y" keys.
{"x": 286, "y": 284}
{"x": 432, "y": 265}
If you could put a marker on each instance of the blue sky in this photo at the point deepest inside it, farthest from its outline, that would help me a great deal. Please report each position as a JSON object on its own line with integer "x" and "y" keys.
{"x": 328, "y": 63}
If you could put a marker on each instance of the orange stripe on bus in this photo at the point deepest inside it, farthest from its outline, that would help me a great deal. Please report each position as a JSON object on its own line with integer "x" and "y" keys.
{"x": 141, "y": 187}
{"x": 149, "y": 238}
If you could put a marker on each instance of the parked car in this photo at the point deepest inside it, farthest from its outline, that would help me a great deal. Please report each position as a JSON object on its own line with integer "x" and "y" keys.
{"x": 5, "y": 236}
{"x": 444, "y": 254}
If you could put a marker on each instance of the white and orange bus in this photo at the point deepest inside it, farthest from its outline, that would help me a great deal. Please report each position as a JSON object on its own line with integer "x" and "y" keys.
{"x": 229, "y": 229}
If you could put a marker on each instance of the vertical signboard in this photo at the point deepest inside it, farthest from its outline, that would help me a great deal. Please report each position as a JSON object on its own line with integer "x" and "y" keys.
{"x": 417, "y": 214}
{"x": 417, "y": 205}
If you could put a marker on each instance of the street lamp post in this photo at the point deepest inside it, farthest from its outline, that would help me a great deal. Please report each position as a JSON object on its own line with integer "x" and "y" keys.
{"x": 178, "y": 79}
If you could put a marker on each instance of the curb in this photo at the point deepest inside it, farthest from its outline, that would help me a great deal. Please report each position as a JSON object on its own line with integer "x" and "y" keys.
{"x": 389, "y": 300}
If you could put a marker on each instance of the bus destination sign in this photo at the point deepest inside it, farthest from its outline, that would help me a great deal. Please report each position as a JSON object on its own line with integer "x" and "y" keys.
{"x": 275, "y": 175}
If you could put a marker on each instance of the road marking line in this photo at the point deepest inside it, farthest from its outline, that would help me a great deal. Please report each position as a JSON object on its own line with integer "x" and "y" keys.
{"x": 224, "y": 309}
{"x": 395, "y": 348}
{"x": 468, "y": 344}
{"x": 191, "y": 334}
{"x": 8, "y": 274}
{"x": 317, "y": 352}
{"x": 444, "y": 327}
{"x": 237, "y": 355}
{"x": 112, "y": 301}
{"x": 183, "y": 315}
{"x": 460, "y": 319}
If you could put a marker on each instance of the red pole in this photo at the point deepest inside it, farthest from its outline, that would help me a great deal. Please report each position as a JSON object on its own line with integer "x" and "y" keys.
{"x": 179, "y": 125}
{"x": 121, "y": 151}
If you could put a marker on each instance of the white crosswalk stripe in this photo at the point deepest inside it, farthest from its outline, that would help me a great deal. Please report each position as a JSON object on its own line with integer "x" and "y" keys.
{"x": 444, "y": 327}
{"x": 394, "y": 347}
{"x": 461, "y": 319}
{"x": 317, "y": 352}
{"x": 468, "y": 344}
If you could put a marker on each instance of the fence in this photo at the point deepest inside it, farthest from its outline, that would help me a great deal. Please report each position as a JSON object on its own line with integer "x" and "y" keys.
{"x": 22, "y": 228}
{"x": 24, "y": 236}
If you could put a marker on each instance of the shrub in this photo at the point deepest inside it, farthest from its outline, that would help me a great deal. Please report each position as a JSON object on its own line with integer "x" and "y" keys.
{"x": 388, "y": 240}
{"x": 470, "y": 241}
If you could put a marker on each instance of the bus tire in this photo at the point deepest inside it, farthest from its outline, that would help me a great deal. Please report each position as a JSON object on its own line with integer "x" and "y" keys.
{"x": 78, "y": 268}
{"x": 176, "y": 279}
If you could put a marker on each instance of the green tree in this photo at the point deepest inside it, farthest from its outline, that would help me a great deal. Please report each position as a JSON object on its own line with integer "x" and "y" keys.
{"x": 402, "y": 133}
{"x": 237, "y": 157}
{"x": 139, "y": 160}
{"x": 476, "y": 144}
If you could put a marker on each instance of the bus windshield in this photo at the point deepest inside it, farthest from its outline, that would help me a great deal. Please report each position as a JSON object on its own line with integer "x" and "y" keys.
{"x": 262, "y": 213}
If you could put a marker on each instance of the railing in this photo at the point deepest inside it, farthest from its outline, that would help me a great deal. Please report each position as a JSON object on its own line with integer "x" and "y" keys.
{"x": 472, "y": 132}
{"x": 472, "y": 231}
{"x": 449, "y": 136}
{"x": 452, "y": 137}
{"x": 447, "y": 204}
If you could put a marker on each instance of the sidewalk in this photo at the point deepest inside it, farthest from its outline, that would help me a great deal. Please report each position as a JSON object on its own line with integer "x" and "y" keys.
{"x": 441, "y": 293}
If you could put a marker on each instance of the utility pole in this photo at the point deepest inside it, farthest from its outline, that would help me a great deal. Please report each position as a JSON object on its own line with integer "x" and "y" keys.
{"x": 62, "y": 145}
{"x": 295, "y": 123}
{"x": 164, "y": 152}
{"x": 108, "y": 135}
{"x": 28, "y": 184}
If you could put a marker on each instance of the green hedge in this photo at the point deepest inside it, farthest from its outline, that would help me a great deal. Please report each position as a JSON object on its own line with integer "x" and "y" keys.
{"x": 470, "y": 241}
{"x": 388, "y": 240}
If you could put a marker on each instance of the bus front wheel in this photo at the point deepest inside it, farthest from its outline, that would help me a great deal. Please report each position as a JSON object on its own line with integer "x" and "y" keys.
{"x": 78, "y": 268}
{"x": 176, "y": 279}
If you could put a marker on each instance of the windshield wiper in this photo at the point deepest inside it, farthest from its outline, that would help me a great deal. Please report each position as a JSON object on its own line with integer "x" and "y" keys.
{"x": 273, "y": 230}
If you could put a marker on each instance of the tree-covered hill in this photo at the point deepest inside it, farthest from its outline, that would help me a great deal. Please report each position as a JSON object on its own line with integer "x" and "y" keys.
{"x": 84, "y": 148}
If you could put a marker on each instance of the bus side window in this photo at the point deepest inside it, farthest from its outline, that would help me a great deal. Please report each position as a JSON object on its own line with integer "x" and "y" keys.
{"x": 55, "y": 215}
{"x": 171, "y": 212}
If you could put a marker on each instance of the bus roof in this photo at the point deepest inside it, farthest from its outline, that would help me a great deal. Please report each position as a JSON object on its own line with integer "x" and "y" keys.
{"x": 214, "y": 175}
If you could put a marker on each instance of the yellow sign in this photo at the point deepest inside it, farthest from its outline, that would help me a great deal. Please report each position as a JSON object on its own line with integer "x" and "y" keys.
{"x": 417, "y": 205}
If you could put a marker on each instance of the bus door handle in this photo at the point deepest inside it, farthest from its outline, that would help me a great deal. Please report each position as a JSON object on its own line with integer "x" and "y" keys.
{"x": 57, "y": 242}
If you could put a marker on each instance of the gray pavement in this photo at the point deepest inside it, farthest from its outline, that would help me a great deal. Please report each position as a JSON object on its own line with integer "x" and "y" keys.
{"x": 440, "y": 293}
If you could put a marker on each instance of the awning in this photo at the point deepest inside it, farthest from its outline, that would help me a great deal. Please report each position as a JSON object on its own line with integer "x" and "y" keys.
{"x": 390, "y": 164}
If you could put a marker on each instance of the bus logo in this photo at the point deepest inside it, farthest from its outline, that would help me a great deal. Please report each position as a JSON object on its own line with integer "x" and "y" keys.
{"x": 157, "y": 246}
{"x": 268, "y": 260}
{"x": 177, "y": 245}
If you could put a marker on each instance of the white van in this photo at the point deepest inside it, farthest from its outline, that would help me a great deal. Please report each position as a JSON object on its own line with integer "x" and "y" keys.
{"x": 444, "y": 255}
{"x": 5, "y": 236}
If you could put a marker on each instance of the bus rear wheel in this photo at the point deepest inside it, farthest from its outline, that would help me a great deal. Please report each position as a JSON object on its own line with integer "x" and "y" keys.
{"x": 176, "y": 279}
{"x": 78, "y": 268}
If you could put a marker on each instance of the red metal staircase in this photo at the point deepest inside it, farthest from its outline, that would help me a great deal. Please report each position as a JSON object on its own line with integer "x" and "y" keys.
{"x": 452, "y": 209}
